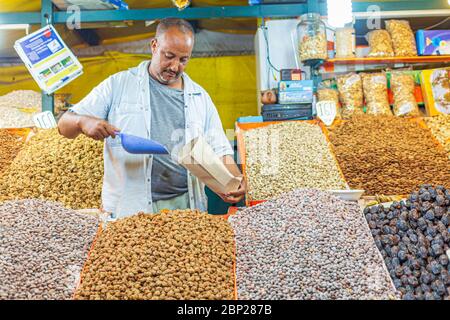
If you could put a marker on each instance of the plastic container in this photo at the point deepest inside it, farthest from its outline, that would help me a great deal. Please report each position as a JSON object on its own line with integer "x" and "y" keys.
{"x": 345, "y": 43}
{"x": 312, "y": 38}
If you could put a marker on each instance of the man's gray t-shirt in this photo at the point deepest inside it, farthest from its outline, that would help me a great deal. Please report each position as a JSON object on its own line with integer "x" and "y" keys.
{"x": 169, "y": 179}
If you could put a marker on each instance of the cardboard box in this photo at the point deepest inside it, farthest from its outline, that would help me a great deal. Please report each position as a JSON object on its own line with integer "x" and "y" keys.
{"x": 433, "y": 42}
{"x": 436, "y": 91}
{"x": 293, "y": 92}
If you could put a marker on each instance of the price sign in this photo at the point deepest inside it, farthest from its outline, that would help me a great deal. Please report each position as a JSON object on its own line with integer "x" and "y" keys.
{"x": 326, "y": 111}
{"x": 49, "y": 60}
{"x": 44, "y": 120}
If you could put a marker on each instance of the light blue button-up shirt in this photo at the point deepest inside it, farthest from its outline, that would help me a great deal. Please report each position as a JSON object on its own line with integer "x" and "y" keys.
{"x": 123, "y": 100}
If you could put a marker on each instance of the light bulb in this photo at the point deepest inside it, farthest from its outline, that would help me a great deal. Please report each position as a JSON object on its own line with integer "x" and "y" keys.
{"x": 339, "y": 12}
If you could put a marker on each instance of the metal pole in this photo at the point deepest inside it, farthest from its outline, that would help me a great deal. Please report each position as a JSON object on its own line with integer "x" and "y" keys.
{"x": 48, "y": 101}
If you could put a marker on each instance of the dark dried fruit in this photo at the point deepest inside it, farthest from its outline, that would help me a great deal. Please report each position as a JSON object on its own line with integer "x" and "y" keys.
{"x": 416, "y": 246}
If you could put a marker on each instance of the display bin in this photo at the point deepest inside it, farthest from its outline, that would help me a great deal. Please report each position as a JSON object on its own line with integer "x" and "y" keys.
{"x": 231, "y": 211}
{"x": 242, "y": 127}
{"x": 380, "y": 198}
{"x": 97, "y": 235}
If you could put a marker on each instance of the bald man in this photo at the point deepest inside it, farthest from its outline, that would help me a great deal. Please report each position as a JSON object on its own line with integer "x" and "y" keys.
{"x": 155, "y": 100}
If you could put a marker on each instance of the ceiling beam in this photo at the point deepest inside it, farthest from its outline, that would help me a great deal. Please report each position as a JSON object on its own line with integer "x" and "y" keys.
{"x": 256, "y": 11}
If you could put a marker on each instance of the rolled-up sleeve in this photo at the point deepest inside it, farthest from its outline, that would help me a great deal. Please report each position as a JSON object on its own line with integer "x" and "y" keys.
{"x": 215, "y": 135}
{"x": 98, "y": 102}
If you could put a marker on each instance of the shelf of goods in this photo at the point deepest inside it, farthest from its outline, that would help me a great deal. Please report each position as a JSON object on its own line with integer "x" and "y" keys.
{"x": 387, "y": 60}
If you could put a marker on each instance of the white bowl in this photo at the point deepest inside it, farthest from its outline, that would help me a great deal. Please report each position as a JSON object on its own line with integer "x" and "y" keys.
{"x": 348, "y": 195}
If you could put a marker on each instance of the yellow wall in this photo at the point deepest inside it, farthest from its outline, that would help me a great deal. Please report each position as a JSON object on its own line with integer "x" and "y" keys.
{"x": 229, "y": 80}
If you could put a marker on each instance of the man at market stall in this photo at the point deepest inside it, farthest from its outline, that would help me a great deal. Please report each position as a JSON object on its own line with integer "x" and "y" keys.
{"x": 155, "y": 100}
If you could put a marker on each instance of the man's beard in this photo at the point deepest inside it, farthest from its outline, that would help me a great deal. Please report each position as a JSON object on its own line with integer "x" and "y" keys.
{"x": 168, "y": 81}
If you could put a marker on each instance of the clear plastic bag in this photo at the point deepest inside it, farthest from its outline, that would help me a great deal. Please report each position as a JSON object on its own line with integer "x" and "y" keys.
{"x": 327, "y": 94}
{"x": 380, "y": 44}
{"x": 345, "y": 43}
{"x": 402, "y": 37}
{"x": 375, "y": 93}
{"x": 350, "y": 95}
{"x": 402, "y": 86}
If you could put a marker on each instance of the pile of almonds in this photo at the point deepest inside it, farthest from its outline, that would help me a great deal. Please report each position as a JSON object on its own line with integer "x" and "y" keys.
{"x": 179, "y": 254}
{"x": 52, "y": 167}
{"x": 389, "y": 155}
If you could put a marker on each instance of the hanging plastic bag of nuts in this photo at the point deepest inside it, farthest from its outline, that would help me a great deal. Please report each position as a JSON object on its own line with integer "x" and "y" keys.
{"x": 402, "y": 86}
{"x": 402, "y": 38}
{"x": 328, "y": 94}
{"x": 350, "y": 94}
{"x": 345, "y": 42}
{"x": 375, "y": 93}
{"x": 380, "y": 44}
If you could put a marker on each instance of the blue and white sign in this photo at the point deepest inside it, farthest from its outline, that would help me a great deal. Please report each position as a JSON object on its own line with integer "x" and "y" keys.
{"x": 49, "y": 60}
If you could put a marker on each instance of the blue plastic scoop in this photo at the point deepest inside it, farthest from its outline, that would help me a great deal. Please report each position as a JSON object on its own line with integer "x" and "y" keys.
{"x": 137, "y": 145}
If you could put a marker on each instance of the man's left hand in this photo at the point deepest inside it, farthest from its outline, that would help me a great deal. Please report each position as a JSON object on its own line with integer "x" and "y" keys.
{"x": 235, "y": 196}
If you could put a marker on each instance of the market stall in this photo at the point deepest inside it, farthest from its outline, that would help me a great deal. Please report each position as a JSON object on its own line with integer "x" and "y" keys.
{"x": 347, "y": 167}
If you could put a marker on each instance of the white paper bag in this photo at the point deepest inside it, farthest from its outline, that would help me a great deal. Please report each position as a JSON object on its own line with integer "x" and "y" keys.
{"x": 199, "y": 158}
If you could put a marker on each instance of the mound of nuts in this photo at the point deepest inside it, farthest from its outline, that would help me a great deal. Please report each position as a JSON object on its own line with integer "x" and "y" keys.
{"x": 22, "y": 99}
{"x": 43, "y": 248}
{"x": 440, "y": 128}
{"x": 388, "y": 155}
{"x": 288, "y": 155}
{"x": 10, "y": 145}
{"x": 15, "y": 118}
{"x": 414, "y": 238}
{"x": 179, "y": 254}
{"x": 52, "y": 167}
{"x": 307, "y": 244}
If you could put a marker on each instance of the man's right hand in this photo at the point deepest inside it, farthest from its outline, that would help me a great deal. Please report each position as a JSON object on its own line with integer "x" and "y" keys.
{"x": 97, "y": 129}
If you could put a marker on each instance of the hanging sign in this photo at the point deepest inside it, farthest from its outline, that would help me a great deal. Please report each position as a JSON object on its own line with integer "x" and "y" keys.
{"x": 326, "y": 111}
{"x": 48, "y": 59}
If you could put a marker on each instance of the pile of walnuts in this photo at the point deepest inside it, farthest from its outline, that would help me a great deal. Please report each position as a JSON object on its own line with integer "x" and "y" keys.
{"x": 179, "y": 254}
{"x": 52, "y": 167}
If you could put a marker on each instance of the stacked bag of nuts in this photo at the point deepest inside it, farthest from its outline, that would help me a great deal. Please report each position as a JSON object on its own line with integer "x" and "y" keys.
{"x": 397, "y": 40}
{"x": 52, "y": 167}
{"x": 414, "y": 239}
{"x": 43, "y": 249}
{"x": 179, "y": 254}
{"x": 440, "y": 128}
{"x": 372, "y": 88}
{"x": 388, "y": 155}
{"x": 307, "y": 244}
{"x": 289, "y": 155}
